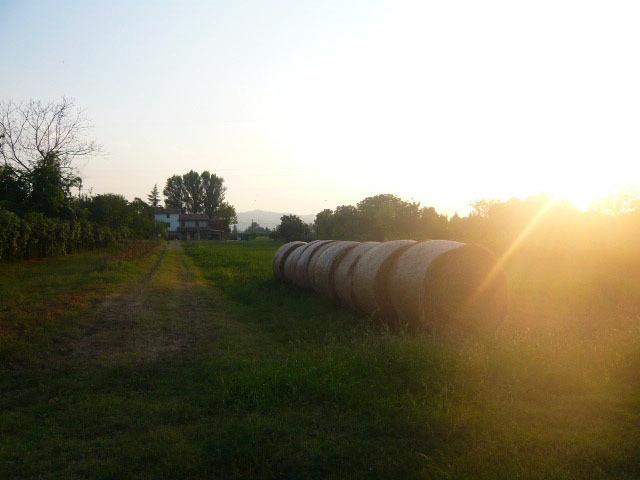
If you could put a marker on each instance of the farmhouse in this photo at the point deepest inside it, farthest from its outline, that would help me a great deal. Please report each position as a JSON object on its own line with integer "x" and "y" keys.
{"x": 187, "y": 226}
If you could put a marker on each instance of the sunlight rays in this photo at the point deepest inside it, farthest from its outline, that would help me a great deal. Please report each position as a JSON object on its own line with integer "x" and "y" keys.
{"x": 526, "y": 231}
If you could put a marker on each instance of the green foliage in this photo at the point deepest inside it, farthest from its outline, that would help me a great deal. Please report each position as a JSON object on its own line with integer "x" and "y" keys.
{"x": 174, "y": 193}
{"x": 13, "y": 235}
{"x": 225, "y": 216}
{"x": 193, "y": 192}
{"x": 536, "y": 223}
{"x": 109, "y": 209}
{"x": 256, "y": 229}
{"x": 37, "y": 235}
{"x": 213, "y": 200}
{"x": 50, "y": 188}
{"x": 45, "y": 188}
{"x": 381, "y": 217}
{"x": 292, "y": 228}
{"x": 14, "y": 190}
{"x": 200, "y": 193}
{"x": 154, "y": 197}
{"x": 112, "y": 219}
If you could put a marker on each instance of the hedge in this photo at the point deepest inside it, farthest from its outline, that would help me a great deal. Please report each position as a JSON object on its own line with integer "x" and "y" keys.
{"x": 36, "y": 235}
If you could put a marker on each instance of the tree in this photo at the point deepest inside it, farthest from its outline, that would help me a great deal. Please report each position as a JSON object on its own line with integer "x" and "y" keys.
{"x": 214, "y": 191}
{"x": 34, "y": 131}
{"x": 256, "y": 229}
{"x": 50, "y": 192}
{"x": 292, "y": 228}
{"x": 200, "y": 193}
{"x": 225, "y": 216}
{"x": 346, "y": 223}
{"x": 14, "y": 190}
{"x": 387, "y": 216}
{"x": 109, "y": 209}
{"x": 154, "y": 196}
{"x": 173, "y": 192}
{"x": 324, "y": 223}
{"x": 193, "y": 192}
{"x": 141, "y": 220}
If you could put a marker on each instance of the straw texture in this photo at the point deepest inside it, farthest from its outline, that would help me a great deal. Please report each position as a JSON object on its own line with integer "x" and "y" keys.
{"x": 407, "y": 279}
{"x": 281, "y": 256}
{"x": 291, "y": 262}
{"x": 322, "y": 268}
{"x": 301, "y": 275}
{"x": 343, "y": 275}
{"x": 436, "y": 284}
{"x": 467, "y": 290}
{"x": 371, "y": 274}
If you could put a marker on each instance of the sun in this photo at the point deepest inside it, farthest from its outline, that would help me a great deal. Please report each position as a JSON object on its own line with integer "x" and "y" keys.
{"x": 581, "y": 199}
{"x": 581, "y": 194}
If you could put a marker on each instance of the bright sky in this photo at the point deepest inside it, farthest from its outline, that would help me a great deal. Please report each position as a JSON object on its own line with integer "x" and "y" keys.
{"x": 302, "y": 105}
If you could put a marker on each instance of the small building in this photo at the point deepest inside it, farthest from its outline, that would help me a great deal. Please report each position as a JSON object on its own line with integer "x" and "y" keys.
{"x": 188, "y": 226}
{"x": 172, "y": 218}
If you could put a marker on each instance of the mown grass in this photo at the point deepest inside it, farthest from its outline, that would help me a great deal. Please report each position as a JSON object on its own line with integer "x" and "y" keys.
{"x": 281, "y": 383}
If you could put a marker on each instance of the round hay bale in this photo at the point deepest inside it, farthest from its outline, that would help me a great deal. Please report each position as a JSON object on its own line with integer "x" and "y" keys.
{"x": 281, "y": 256}
{"x": 323, "y": 266}
{"x": 343, "y": 274}
{"x": 370, "y": 276}
{"x": 301, "y": 275}
{"x": 292, "y": 260}
{"x": 407, "y": 278}
{"x": 466, "y": 288}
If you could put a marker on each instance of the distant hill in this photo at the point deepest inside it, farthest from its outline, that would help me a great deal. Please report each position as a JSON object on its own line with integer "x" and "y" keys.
{"x": 266, "y": 219}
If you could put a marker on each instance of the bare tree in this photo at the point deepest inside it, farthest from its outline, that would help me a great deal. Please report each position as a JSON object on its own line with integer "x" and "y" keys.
{"x": 33, "y": 131}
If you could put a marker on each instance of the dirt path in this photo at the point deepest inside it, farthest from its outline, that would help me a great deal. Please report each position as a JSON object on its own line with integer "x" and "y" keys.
{"x": 162, "y": 315}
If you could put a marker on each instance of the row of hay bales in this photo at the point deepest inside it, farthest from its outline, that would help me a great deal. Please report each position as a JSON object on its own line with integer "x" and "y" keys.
{"x": 420, "y": 284}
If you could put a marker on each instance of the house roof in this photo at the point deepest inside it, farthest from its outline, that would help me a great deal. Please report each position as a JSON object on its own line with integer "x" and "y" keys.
{"x": 164, "y": 211}
{"x": 193, "y": 216}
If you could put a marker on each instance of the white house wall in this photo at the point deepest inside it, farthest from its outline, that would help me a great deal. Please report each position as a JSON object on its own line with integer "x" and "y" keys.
{"x": 173, "y": 220}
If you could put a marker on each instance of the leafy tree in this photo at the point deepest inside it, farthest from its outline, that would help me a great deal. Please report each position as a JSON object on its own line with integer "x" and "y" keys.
{"x": 292, "y": 228}
{"x": 214, "y": 191}
{"x": 432, "y": 225}
{"x": 115, "y": 212}
{"x": 198, "y": 193}
{"x": 324, "y": 224}
{"x": 109, "y": 209}
{"x": 225, "y": 216}
{"x": 347, "y": 223}
{"x": 387, "y": 216}
{"x": 256, "y": 229}
{"x": 142, "y": 221}
{"x": 174, "y": 193}
{"x": 154, "y": 196}
{"x": 14, "y": 190}
{"x": 39, "y": 145}
{"x": 193, "y": 192}
{"x": 50, "y": 192}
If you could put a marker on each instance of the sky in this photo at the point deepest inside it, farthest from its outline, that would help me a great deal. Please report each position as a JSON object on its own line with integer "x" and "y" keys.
{"x": 304, "y": 105}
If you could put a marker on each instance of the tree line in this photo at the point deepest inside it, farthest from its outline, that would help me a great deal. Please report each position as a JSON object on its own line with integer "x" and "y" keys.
{"x": 538, "y": 223}
{"x": 40, "y": 212}
{"x": 43, "y": 210}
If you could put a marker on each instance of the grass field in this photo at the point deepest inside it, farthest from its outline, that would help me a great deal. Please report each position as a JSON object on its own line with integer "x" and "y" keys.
{"x": 192, "y": 362}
